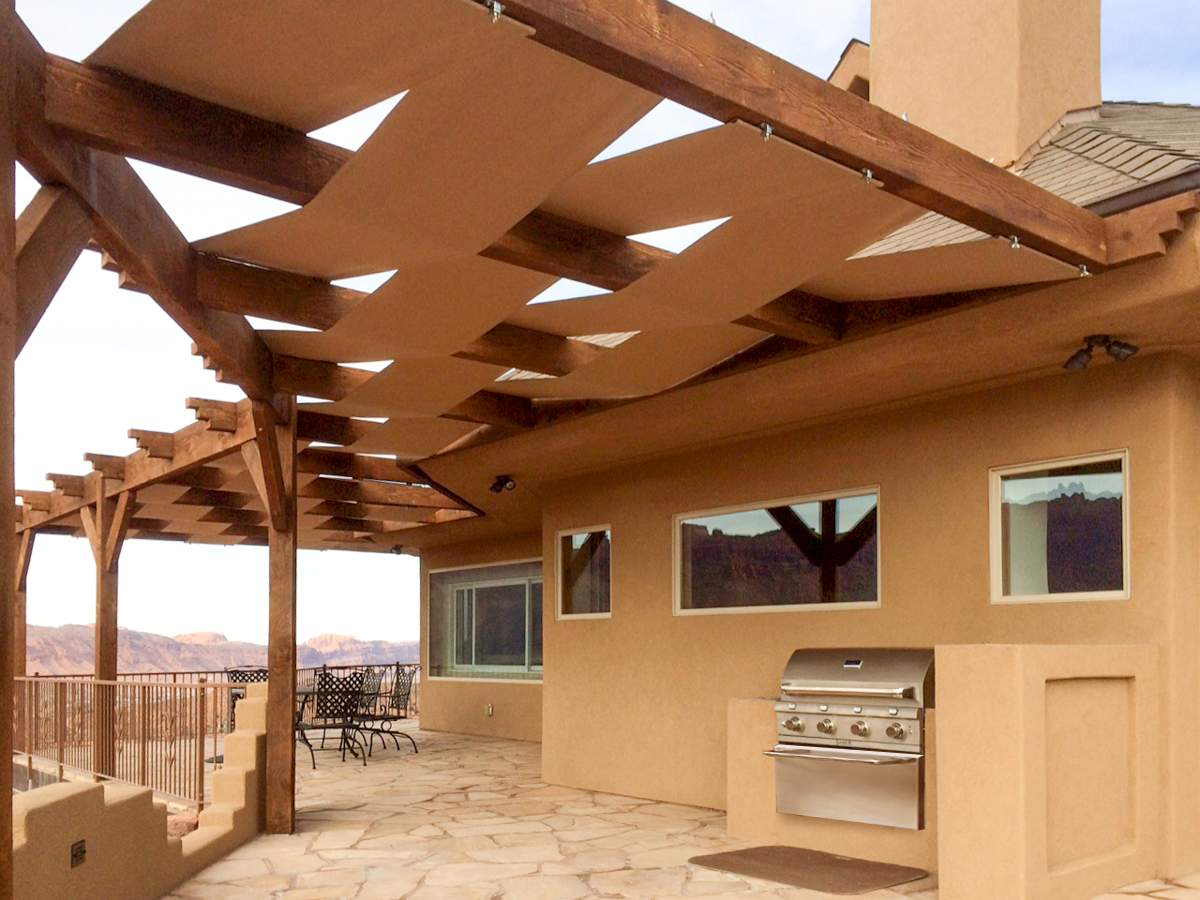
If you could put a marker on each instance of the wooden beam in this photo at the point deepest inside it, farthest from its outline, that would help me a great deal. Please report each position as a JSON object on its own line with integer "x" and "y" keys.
{"x": 556, "y": 246}
{"x": 332, "y": 429}
{"x": 8, "y": 345}
{"x": 157, "y": 444}
{"x": 315, "y": 461}
{"x": 664, "y": 49}
{"x": 123, "y": 115}
{"x": 281, "y": 646}
{"x": 1146, "y": 231}
{"x": 315, "y": 378}
{"x": 220, "y": 415}
{"x": 235, "y": 517}
{"x": 71, "y": 485}
{"x": 132, "y": 226}
{"x": 262, "y": 456}
{"x": 51, "y": 233}
{"x": 799, "y": 316}
{"x": 214, "y": 498}
{"x": 111, "y": 466}
{"x": 375, "y": 492}
{"x": 118, "y": 528}
{"x": 533, "y": 351}
{"x": 492, "y": 408}
{"x": 327, "y": 509}
{"x": 364, "y": 526}
{"x": 271, "y": 294}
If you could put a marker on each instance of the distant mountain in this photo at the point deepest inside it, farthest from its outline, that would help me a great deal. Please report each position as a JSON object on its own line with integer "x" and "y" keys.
{"x": 1069, "y": 490}
{"x": 70, "y": 650}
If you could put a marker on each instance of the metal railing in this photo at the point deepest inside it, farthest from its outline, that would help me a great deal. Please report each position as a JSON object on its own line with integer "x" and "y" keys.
{"x": 160, "y": 735}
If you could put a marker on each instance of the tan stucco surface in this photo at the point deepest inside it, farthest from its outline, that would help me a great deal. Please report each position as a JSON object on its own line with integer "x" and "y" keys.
{"x": 638, "y": 703}
{"x": 129, "y": 856}
{"x": 461, "y": 705}
{"x": 1038, "y": 61}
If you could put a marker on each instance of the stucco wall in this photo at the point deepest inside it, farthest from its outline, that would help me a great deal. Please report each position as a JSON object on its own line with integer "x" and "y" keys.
{"x": 461, "y": 705}
{"x": 128, "y": 853}
{"x": 637, "y": 703}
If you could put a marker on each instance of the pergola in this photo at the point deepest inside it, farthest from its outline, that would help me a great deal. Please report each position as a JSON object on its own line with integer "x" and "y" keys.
{"x": 477, "y": 190}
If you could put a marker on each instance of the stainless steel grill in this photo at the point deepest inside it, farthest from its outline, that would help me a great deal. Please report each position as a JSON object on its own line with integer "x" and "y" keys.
{"x": 850, "y": 726}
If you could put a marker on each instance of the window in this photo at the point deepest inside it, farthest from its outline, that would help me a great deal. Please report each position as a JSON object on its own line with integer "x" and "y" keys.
{"x": 816, "y": 552}
{"x": 1060, "y": 531}
{"x": 486, "y": 621}
{"x": 584, "y": 560}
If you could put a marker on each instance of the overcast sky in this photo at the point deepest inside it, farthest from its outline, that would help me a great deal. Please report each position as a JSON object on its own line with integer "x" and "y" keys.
{"x": 103, "y": 360}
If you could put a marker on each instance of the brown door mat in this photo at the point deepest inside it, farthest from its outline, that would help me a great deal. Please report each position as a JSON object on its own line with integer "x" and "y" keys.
{"x": 810, "y": 869}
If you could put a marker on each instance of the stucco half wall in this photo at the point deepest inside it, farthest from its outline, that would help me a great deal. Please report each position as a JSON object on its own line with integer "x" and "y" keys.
{"x": 637, "y": 703}
{"x": 462, "y": 705}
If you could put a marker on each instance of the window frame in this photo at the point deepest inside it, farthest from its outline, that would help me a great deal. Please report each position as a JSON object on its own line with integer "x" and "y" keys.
{"x": 517, "y": 674}
{"x": 678, "y": 519}
{"x": 559, "y": 614}
{"x": 996, "y": 475}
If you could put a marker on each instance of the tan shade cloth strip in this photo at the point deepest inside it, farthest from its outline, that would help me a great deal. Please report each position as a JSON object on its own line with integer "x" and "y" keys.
{"x": 416, "y": 387}
{"x": 301, "y": 63}
{"x": 460, "y": 160}
{"x": 939, "y": 270}
{"x": 645, "y": 364}
{"x": 413, "y": 438}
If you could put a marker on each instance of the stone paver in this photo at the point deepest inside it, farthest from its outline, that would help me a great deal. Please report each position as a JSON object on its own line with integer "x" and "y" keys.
{"x": 469, "y": 818}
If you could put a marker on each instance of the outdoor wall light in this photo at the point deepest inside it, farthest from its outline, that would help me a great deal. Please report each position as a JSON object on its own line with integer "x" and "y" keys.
{"x": 502, "y": 483}
{"x": 1118, "y": 350}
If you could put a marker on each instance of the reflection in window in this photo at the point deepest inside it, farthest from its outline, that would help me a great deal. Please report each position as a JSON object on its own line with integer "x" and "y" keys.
{"x": 486, "y": 621}
{"x": 584, "y": 572}
{"x": 1061, "y": 530}
{"x": 819, "y": 551}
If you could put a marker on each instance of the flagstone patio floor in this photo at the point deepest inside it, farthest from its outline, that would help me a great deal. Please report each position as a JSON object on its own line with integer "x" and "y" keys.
{"x": 469, "y": 818}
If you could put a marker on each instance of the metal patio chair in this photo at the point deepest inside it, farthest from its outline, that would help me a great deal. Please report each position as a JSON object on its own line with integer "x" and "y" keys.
{"x": 391, "y": 707}
{"x": 335, "y": 705}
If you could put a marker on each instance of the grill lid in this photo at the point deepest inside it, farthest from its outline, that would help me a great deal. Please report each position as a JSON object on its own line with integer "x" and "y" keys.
{"x": 898, "y": 677}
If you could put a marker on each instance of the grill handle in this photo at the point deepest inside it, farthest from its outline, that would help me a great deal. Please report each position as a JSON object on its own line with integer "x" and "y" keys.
{"x": 834, "y": 756}
{"x": 899, "y": 693}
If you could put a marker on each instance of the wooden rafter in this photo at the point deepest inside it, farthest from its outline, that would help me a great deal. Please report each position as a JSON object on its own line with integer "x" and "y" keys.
{"x": 376, "y": 492}
{"x": 533, "y": 351}
{"x": 266, "y": 467}
{"x": 271, "y": 294}
{"x": 800, "y": 316}
{"x": 492, "y": 408}
{"x": 1145, "y": 231}
{"x": 51, "y": 233}
{"x": 664, "y": 49}
{"x": 315, "y": 461}
{"x": 131, "y": 225}
{"x": 330, "y": 429}
{"x": 315, "y": 378}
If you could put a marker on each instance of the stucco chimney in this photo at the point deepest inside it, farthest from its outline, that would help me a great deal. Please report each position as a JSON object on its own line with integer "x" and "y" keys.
{"x": 990, "y": 76}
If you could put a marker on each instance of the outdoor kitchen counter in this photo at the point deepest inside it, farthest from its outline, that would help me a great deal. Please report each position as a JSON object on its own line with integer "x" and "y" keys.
{"x": 751, "y": 799}
{"x": 1042, "y": 769}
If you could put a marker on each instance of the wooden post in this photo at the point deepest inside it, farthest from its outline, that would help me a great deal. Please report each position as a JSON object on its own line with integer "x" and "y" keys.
{"x": 276, "y": 444}
{"x": 8, "y": 345}
{"x": 24, "y": 556}
{"x": 106, "y": 523}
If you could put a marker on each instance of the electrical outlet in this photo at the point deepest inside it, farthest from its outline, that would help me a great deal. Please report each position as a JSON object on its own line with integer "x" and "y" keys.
{"x": 78, "y": 853}
{"x": 489, "y": 709}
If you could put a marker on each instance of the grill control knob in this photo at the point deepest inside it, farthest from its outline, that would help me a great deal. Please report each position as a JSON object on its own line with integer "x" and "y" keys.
{"x": 896, "y": 730}
{"x": 795, "y": 723}
{"x": 860, "y": 729}
{"x": 826, "y": 726}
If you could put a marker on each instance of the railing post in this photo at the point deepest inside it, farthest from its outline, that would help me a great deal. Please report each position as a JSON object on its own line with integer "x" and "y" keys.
{"x": 144, "y": 727}
{"x": 200, "y": 734}
{"x": 60, "y": 724}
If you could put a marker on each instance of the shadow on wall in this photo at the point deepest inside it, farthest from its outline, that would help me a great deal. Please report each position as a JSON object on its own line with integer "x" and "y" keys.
{"x": 127, "y": 853}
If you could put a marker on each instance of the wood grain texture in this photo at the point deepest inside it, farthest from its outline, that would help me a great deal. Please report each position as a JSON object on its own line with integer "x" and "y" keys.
{"x": 332, "y": 429}
{"x": 112, "y": 112}
{"x": 1146, "y": 231}
{"x": 51, "y": 233}
{"x": 662, "y": 48}
{"x": 281, "y": 645}
{"x": 130, "y": 224}
{"x": 271, "y": 294}
{"x": 533, "y": 351}
{"x": 493, "y": 408}
{"x": 316, "y": 378}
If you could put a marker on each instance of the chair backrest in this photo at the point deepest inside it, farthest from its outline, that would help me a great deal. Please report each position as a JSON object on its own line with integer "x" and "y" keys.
{"x": 401, "y": 690}
{"x": 372, "y": 680}
{"x": 336, "y": 699}
{"x": 246, "y": 674}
